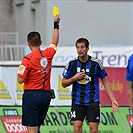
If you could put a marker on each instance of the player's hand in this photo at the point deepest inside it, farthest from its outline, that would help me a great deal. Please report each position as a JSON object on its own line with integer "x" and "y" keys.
{"x": 79, "y": 75}
{"x": 57, "y": 18}
{"x": 115, "y": 106}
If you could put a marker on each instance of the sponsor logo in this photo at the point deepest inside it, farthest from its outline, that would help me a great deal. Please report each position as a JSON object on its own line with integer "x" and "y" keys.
{"x": 4, "y": 93}
{"x": 13, "y": 124}
{"x": 97, "y": 118}
{"x": 64, "y": 93}
{"x": 85, "y": 80}
{"x": 10, "y": 112}
{"x": 130, "y": 120}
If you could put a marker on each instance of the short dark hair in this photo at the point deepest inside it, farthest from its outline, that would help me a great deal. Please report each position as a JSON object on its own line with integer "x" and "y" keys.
{"x": 83, "y": 40}
{"x": 34, "y": 38}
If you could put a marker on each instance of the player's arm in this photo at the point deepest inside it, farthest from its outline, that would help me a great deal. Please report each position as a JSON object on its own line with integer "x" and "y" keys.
{"x": 55, "y": 38}
{"x": 109, "y": 90}
{"x": 66, "y": 82}
{"x": 20, "y": 80}
{"x": 23, "y": 70}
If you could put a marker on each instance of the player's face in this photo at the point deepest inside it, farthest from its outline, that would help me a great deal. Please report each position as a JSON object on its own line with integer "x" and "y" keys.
{"x": 81, "y": 50}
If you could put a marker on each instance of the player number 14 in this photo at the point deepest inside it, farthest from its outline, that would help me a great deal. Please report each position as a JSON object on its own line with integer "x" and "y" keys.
{"x": 73, "y": 114}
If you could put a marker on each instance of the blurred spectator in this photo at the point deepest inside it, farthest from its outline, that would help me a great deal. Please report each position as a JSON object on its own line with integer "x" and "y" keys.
{"x": 129, "y": 79}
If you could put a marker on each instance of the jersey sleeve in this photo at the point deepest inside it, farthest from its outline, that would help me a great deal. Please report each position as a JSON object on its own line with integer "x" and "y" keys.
{"x": 51, "y": 50}
{"x": 67, "y": 72}
{"x": 23, "y": 68}
{"x": 129, "y": 69}
{"x": 101, "y": 71}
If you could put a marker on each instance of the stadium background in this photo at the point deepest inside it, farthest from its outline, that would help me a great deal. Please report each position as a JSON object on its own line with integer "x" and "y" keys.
{"x": 108, "y": 26}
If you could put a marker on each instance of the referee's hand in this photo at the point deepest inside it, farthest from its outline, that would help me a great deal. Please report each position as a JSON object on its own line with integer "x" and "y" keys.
{"x": 57, "y": 18}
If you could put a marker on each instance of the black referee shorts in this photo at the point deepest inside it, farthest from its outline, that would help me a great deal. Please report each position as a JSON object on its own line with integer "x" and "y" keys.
{"x": 35, "y": 105}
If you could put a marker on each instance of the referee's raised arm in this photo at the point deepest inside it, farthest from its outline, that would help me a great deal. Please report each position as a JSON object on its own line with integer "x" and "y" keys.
{"x": 56, "y": 29}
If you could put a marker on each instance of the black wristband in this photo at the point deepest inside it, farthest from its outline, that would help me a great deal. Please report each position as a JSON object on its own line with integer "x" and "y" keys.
{"x": 56, "y": 25}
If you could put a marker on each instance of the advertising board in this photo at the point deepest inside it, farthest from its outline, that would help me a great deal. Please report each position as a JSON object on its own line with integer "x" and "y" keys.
{"x": 58, "y": 121}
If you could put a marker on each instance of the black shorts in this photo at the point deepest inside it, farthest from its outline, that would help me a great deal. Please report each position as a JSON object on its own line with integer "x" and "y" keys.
{"x": 91, "y": 112}
{"x": 35, "y": 105}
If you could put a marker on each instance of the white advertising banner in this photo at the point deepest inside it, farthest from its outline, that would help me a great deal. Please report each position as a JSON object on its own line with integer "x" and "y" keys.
{"x": 9, "y": 89}
{"x": 110, "y": 56}
{"x": 11, "y": 92}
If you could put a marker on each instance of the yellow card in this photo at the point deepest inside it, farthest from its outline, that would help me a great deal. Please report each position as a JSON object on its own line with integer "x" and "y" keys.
{"x": 55, "y": 10}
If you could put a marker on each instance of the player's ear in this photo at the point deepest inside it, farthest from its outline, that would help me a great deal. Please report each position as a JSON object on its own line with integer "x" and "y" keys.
{"x": 28, "y": 44}
{"x": 40, "y": 42}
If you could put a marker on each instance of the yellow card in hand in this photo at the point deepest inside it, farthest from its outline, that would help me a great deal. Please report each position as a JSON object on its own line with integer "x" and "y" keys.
{"x": 55, "y": 10}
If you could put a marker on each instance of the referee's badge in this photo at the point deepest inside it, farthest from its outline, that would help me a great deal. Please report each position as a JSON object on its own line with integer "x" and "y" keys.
{"x": 21, "y": 69}
{"x": 43, "y": 62}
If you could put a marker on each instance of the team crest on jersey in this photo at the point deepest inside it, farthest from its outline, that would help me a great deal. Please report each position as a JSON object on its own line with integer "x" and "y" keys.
{"x": 43, "y": 62}
{"x": 21, "y": 69}
{"x": 85, "y": 80}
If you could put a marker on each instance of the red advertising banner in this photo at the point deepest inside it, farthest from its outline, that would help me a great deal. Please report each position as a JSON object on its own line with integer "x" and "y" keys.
{"x": 13, "y": 124}
{"x": 116, "y": 77}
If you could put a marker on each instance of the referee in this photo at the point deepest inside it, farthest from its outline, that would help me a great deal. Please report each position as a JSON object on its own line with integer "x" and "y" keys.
{"x": 35, "y": 71}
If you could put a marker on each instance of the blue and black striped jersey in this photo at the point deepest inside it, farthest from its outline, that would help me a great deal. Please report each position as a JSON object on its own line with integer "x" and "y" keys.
{"x": 129, "y": 70}
{"x": 85, "y": 91}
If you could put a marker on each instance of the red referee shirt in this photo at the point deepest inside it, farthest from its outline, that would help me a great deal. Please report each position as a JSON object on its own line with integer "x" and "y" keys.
{"x": 35, "y": 68}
